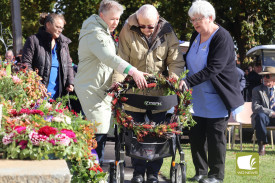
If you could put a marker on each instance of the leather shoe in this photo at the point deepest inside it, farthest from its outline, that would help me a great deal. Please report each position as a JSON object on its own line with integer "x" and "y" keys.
{"x": 210, "y": 180}
{"x": 197, "y": 178}
{"x": 261, "y": 149}
{"x": 137, "y": 179}
{"x": 152, "y": 179}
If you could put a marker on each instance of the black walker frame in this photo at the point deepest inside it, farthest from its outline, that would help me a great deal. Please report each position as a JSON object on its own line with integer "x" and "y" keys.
{"x": 127, "y": 143}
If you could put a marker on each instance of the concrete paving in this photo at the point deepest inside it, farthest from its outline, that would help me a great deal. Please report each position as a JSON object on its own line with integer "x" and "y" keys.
{"x": 128, "y": 171}
{"x": 30, "y": 171}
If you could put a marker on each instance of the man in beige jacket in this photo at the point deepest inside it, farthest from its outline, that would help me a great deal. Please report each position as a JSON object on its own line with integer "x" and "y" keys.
{"x": 149, "y": 43}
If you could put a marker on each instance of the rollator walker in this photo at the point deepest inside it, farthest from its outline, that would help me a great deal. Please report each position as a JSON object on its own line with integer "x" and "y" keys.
{"x": 127, "y": 143}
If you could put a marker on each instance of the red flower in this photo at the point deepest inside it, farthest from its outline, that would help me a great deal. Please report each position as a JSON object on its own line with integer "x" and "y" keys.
{"x": 151, "y": 85}
{"x": 123, "y": 99}
{"x": 75, "y": 113}
{"x": 59, "y": 110}
{"x": 111, "y": 94}
{"x": 51, "y": 100}
{"x": 118, "y": 113}
{"x": 114, "y": 101}
{"x": 147, "y": 126}
{"x": 173, "y": 80}
{"x": 129, "y": 118}
{"x": 13, "y": 112}
{"x": 23, "y": 144}
{"x": 47, "y": 131}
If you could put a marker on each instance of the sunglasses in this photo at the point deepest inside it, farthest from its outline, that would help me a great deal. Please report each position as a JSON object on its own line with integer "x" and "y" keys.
{"x": 148, "y": 26}
{"x": 267, "y": 76}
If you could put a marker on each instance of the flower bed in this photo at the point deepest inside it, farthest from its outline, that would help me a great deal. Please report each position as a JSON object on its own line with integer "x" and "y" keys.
{"x": 35, "y": 127}
{"x": 180, "y": 118}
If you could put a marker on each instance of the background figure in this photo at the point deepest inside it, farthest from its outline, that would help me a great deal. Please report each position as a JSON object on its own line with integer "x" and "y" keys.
{"x": 9, "y": 57}
{"x": 48, "y": 52}
{"x": 241, "y": 79}
{"x": 150, "y": 44}
{"x": 97, "y": 61}
{"x": 245, "y": 90}
{"x": 216, "y": 91}
{"x": 19, "y": 56}
{"x": 253, "y": 79}
{"x": 263, "y": 106}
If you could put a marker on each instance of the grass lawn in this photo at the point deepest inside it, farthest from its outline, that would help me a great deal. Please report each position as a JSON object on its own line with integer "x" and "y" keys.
{"x": 266, "y": 169}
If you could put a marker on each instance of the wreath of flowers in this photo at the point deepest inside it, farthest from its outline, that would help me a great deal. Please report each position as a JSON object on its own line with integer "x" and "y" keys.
{"x": 180, "y": 118}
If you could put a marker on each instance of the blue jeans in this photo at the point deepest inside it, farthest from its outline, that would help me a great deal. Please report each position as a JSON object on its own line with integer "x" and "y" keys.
{"x": 262, "y": 121}
{"x": 142, "y": 166}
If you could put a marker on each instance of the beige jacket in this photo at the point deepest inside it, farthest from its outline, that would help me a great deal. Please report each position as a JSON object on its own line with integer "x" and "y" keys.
{"x": 164, "y": 52}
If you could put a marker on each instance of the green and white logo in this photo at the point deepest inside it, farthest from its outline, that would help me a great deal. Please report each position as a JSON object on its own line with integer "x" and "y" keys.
{"x": 247, "y": 163}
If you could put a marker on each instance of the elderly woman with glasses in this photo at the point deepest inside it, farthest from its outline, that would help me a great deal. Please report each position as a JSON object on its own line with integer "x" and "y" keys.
{"x": 149, "y": 43}
{"x": 97, "y": 61}
{"x": 216, "y": 91}
{"x": 48, "y": 52}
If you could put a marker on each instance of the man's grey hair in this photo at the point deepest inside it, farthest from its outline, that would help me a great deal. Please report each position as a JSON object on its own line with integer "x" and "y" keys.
{"x": 147, "y": 11}
{"x": 202, "y": 7}
{"x": 107, "y": 5}
{"x": 9, "y": 51}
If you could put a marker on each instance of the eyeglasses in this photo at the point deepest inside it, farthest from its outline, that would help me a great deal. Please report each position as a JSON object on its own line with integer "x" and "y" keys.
{"x": 148, "y": 26}
{"x": 60, "y": 28}
{"x": 195, "y": 20}
{"x": 267, "y": 76}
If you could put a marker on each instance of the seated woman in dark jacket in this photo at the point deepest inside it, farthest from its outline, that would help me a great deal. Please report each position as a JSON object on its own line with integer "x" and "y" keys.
{"x": 48, "y": 52}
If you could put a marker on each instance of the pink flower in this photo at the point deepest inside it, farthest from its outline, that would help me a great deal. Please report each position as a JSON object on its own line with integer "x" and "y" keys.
{"x": 69, "y": 133}
{"x": 3, "y": 73}
{"x": 20, "y": 129}
{"x": 52, "y": 141}
{"x": 16, "y": 80}
{"x": 7, "y": 139}
{"x": 36, "y": 138}
{"x": 63, "y": 139}
{"x": 23, "y": 144}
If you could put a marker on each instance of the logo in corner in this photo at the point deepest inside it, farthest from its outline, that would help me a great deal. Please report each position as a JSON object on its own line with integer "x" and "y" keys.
{"x": 247, "y": 163}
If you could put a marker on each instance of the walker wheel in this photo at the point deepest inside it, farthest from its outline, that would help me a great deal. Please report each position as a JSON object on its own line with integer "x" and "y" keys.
{"x": 180, "y": 174}
{"x": 120, "y": 173}
{"x": 173, "y": 174}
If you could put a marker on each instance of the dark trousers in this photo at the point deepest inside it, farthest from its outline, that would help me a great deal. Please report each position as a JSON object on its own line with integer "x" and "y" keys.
{"x": 209, "y": 135}
{"x": 101, "y": 141}
{"x": 262, "y": 121}
{"x": 142, "y": 166}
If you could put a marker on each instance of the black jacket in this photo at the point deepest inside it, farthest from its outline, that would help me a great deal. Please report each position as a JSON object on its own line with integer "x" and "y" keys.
{"x": 220, "y": 70}
{"x": 37, "y": 55}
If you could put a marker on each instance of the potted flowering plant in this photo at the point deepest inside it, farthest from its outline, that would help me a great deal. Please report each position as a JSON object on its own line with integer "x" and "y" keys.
{"x": 181, "y": 117}
{"x": 36, "y": 127}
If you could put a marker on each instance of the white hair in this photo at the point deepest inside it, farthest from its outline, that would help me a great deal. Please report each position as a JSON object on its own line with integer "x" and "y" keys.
{"x": 108, "y": 5}
{"x": 201, "y": 7}
{"x": 9, "y": 51}
{"x": 147, "y": 11}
